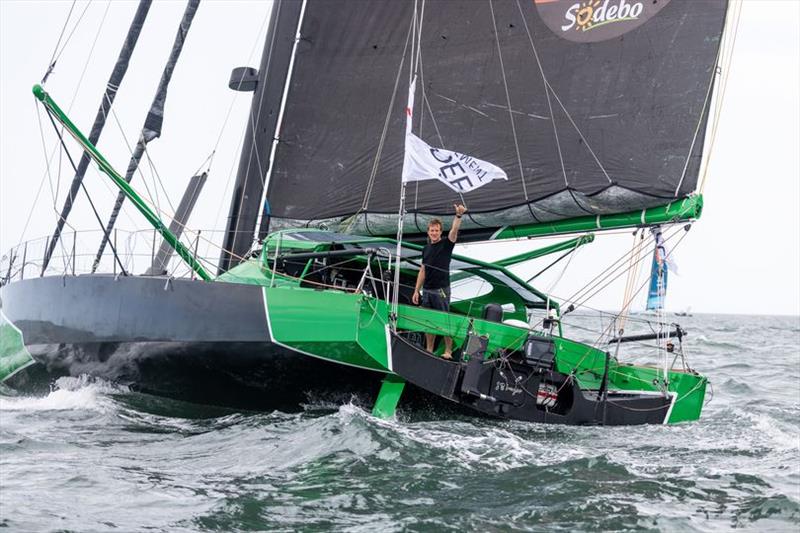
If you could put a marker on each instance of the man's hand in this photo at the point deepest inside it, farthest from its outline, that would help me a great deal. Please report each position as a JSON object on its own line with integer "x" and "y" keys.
{"x": 460, "y": 210}
{"x": 419, "y": 285}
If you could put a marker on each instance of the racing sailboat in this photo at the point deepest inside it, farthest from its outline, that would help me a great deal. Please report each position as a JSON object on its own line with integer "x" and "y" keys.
{"x": 595, "y": 111}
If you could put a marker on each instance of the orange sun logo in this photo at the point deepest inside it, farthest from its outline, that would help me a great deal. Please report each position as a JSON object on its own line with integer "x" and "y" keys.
{"x": 583, "y": 18}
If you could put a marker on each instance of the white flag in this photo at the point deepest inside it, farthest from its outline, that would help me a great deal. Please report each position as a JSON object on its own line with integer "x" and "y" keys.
{"x": 460, "y": 172}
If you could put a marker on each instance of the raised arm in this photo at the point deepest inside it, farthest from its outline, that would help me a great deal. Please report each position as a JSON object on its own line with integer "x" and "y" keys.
{"x": 460, "y": 210}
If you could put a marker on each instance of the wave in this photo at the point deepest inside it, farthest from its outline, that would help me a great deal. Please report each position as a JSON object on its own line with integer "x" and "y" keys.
{"x": 68, "y": 393}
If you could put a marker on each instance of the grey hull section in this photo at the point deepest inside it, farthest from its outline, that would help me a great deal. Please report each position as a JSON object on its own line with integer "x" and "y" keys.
{"x": 101, "y": 308}
{"x": 184, "y": 339}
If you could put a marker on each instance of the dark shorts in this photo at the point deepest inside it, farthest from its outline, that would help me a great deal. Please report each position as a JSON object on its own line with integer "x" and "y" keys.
{"x": 438, "y": 299}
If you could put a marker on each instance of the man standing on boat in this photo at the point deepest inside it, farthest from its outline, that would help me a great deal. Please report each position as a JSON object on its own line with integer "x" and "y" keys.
{"x": 434, "y": 274}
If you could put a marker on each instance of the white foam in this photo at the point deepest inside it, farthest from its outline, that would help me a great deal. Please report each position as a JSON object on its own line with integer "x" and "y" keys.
{"x": 69, "y": 393}
{"x": 473, "y": 447}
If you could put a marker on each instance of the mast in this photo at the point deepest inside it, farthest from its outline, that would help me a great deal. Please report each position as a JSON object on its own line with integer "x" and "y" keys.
{"x": 114, "y": 81}
{"x": 153, "y": 122}
{"x": 273, "y": 75}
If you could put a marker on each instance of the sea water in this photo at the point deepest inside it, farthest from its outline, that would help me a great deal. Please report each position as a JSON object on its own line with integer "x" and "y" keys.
{"x": 92, "y": 456}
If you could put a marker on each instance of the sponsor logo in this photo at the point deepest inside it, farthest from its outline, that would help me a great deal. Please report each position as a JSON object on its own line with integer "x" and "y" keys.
{"x": 596, "y": 20}
{"x": 502, "y": 386}
{"x": 593, "y": 14}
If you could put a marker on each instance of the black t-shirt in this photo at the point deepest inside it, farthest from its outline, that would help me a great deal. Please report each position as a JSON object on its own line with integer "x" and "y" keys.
{"x": 436, "y": 258}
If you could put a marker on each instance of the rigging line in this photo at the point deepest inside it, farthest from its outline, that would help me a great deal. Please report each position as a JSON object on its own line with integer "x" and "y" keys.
{"x": 572, "y": 254}
{"x": 628, "y": 280}
{"x": 376, "y": 161}
{"x": 419, "y": 36}
{"x": 52, "y": 62}
{"x": 426, "y": 102}
{"x": 700, "y": 120}
{"x": 279, "y": 122}
{"x": 154, "y": 172}
{"x": 58, "y": 186}
{"x": 30, "y": 212}
{"x": 578, "y": 130}
{"x": 71, "y": 33}
{"x": 235, "y": 96}
{"x": 88, "y": 60}
{"x": 157, "y": 177}
{"x": 611, "y": 323}
{"x": 597, "y": 285}
{"x": 60, "y": 165}
{"x": 111, "y": 190}
{"x": 49, "y": 174}
{"x": 83, "y": 186}
{"x": 209, "y": 158}
{"x": 414, "y": 30}
{"x": 546, "y": 92}
{"x": 252, "y": 123}
{"x": 618, "y": 263}
{"x": 155, "y": 202}
{"x": 661, "y": 324}
{"x": 633, "y": 276}
{"x": 508, "y": 101}
{"x": 726, "y": 64}
{"x": 220, "y": 206}
{"x": 591, "y": 291}
{"x": 152, "y": 204}
{"x": 644, "y": 284}
{"x": 241, "y": 137}
{"x": 72, "y": 102}
{"x": 545, "y": 269}
{"x": 720, "y": 100}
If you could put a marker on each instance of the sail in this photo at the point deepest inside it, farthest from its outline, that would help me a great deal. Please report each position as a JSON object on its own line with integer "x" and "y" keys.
{"x": 590, "y": 108}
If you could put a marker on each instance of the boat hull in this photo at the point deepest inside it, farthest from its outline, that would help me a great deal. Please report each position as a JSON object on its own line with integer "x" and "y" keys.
{"x": 185, "y": 339}
{"x": 520, "y": 392}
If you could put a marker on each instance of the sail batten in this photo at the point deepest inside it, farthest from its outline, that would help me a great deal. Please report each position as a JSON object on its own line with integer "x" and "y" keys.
{"x": 606, "y": 119}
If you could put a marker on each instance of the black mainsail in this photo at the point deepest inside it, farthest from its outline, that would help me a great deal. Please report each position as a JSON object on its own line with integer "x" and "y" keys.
{"x": 591, "y": 108}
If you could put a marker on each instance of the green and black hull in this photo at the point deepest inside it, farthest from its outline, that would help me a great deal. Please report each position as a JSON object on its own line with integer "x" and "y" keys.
{"x": 185, "y": 339}
{"x": 258, "y": 341}
{"x": 519, "y": 391}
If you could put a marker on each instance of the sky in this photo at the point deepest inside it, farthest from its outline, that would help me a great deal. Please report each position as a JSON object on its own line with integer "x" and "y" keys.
{"x": 742, "y": 256}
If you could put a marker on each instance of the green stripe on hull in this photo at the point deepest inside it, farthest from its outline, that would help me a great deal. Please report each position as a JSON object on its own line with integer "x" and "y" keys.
{"x": 13, "y": 354}
{"x": 341, "y": 327}
{"x": 690, "y": 388}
